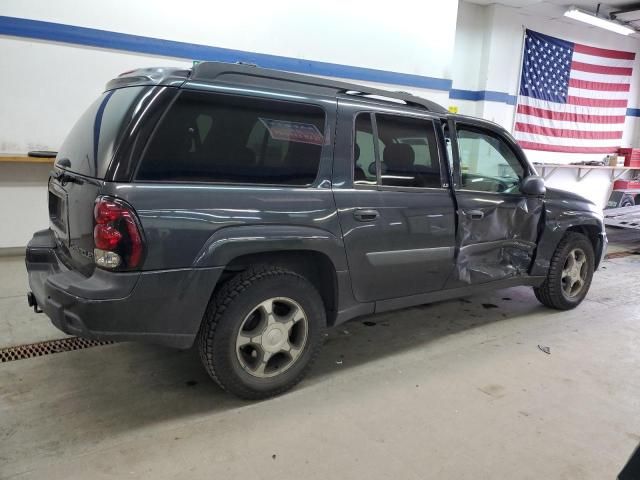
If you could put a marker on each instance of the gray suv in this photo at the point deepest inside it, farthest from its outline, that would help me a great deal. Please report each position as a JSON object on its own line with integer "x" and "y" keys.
{"x": 247, "y": 210}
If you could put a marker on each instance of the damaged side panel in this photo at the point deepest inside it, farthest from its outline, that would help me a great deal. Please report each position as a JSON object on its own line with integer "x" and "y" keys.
{"x": 565, "y": 211}
{"x": 497, "y": 236}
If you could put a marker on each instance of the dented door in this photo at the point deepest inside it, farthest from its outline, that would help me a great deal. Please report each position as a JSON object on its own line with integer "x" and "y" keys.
{"x": 496, "y": 236}
{"x": 497, "y": 225}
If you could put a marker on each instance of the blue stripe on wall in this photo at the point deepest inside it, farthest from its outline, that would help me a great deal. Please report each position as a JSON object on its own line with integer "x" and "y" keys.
{"x": 482, "y": 95}
{"x": 58, "y": 32}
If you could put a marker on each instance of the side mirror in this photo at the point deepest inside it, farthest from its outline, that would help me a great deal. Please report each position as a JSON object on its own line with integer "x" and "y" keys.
{"x": 533, "y": 185}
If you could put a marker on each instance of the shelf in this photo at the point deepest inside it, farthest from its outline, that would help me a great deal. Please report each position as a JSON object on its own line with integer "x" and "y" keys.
{"x": 25, "y": 159}
{"x": 582, "y": 171}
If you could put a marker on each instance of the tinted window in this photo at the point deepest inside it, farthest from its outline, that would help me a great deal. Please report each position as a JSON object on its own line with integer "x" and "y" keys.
{"x": 364, "y": 172}
{"x": 217, "y": 138}
{"x": 409, "y": 152}
{"x": 487, "y": 163}
{"x": 90, "y": 145}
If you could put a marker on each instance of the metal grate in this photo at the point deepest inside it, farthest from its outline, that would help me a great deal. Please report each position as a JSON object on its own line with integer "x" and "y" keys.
{"x": 49, "y": 347}
{"x": 624, "y": 217}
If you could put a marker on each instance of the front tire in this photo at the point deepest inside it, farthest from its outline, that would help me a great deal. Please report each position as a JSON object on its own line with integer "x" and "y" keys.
{"x": 570, "y": 273}
{"x": 261, "y": 332}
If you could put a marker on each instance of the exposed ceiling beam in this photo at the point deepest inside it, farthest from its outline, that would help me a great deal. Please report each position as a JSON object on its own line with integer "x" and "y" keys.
{"x": 627, "y": 9}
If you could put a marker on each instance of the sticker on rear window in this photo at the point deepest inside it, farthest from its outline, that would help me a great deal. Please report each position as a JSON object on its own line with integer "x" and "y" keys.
{"x": 293, "y": 131}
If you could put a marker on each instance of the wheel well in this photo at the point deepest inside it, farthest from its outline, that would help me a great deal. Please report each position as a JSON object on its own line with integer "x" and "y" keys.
{"x": 591, "y": 232}
{"x": 314, "y": 266}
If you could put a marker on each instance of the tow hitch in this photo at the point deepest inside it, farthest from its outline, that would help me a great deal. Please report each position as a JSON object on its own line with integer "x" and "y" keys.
{"x": 31, "y": 300}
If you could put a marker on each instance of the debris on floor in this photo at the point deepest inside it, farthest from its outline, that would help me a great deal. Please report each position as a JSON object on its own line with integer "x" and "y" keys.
{"x": 369, "y": 323}
{"x": 544, "y": 349}
{"x": 489, "y": 305}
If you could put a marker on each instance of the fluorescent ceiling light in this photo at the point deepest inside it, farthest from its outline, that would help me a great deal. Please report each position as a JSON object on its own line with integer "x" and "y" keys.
{"x": 591, "y": 19}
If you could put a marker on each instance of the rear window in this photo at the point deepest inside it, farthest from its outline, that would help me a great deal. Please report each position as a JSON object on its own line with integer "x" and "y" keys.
{"x": 89, "y": 147}
{"x": 208, "y": 137}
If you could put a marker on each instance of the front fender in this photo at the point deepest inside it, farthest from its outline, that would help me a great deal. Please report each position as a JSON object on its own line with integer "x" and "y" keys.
{"x": 231, "y": 242}
{"x": 555, "y": 227}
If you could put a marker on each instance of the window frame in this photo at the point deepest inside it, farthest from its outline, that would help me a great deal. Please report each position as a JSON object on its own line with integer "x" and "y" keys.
{"x": 490, "y": 132}
{"x": 317, "y": 181}
{"x": 432, "y": 119}
{"x": 376, "y": 147}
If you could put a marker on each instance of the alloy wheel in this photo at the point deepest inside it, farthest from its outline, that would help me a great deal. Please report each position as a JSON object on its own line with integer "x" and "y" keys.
{"x": 272, "y": 337}
{"x": 574, "y": 273}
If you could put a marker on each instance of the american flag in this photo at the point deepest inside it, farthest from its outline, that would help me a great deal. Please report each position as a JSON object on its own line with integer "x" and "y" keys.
{"x": 573, "y": 97}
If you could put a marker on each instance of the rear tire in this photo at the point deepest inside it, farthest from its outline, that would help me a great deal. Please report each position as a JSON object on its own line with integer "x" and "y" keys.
{"x": 261, "y": 332}
{"x": 570, "y": 273}
{"x": 627, "y": 201}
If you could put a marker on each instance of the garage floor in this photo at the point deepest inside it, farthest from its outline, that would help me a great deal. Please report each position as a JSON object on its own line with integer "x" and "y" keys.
{"x": 457, "y": 389}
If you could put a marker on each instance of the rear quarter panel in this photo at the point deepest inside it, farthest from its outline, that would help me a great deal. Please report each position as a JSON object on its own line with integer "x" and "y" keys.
{"x": 183, "y": 224}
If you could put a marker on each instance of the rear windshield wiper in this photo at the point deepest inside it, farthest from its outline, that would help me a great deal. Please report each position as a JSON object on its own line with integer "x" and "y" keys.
{"x": 62, "y": 176}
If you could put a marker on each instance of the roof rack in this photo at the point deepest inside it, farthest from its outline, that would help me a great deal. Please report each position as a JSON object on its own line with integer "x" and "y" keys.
{"x": 209, "y": 71}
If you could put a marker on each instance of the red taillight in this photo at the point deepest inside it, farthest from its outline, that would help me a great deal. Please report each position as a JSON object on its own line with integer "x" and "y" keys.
{"x": 116, "y": 235}
{"x": 106, "y": 237}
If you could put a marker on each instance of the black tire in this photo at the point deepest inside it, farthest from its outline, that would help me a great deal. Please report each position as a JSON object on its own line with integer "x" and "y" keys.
{"x": 229, "y": 310}
{"x": 551, "y": 293}
{"x": 627, "y": 201}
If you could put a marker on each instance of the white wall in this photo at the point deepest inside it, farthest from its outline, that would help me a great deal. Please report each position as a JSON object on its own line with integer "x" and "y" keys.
{"x": 45, "y": 85}
{"x": 40, "y": 108}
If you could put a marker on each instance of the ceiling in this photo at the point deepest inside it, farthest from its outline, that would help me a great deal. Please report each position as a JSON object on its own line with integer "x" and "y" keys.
{"x": 556, "y": 8}
{"x": 586, "y": 4}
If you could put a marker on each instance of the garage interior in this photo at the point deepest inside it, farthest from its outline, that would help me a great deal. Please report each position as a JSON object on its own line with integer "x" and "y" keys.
{"x": 487, "y": 386}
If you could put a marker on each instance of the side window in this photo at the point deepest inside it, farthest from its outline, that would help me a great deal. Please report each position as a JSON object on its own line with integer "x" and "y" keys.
{"x": 364, "y": 157}
{"x": 217, "y": 138}
{"x": 487, "y": 163}
{"x": 409, "y": 152}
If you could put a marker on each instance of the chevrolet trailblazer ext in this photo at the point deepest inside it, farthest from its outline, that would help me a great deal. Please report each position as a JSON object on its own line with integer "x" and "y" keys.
{"x": 248, "y": 209}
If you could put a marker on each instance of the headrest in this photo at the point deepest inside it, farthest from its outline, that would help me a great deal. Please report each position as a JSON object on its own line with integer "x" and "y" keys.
{"x": 356, "y": 152}
{"x": 245, "y": 157}
{"x": 399, "y": 156}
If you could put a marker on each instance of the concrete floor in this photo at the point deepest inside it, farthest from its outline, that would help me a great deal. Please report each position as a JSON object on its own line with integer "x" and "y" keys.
{"x": 453, "y": 390}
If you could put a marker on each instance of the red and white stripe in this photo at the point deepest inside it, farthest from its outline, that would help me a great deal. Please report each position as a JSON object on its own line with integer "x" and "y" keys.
{"x": 592, "y": 119}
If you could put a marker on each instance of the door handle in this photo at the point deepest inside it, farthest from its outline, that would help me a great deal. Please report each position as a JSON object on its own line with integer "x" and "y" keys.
{"x": 475, "y": 214}
{"x": 364, "y": 215}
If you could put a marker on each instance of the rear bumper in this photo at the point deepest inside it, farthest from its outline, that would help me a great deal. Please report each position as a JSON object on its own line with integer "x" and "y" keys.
{"x": 164, "y": 307}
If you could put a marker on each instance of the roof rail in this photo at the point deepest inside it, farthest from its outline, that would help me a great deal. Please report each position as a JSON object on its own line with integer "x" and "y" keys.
{"x": 209, "y": 71}
{"x": 404, "y": 97}
{"x": 150, "y": 76}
